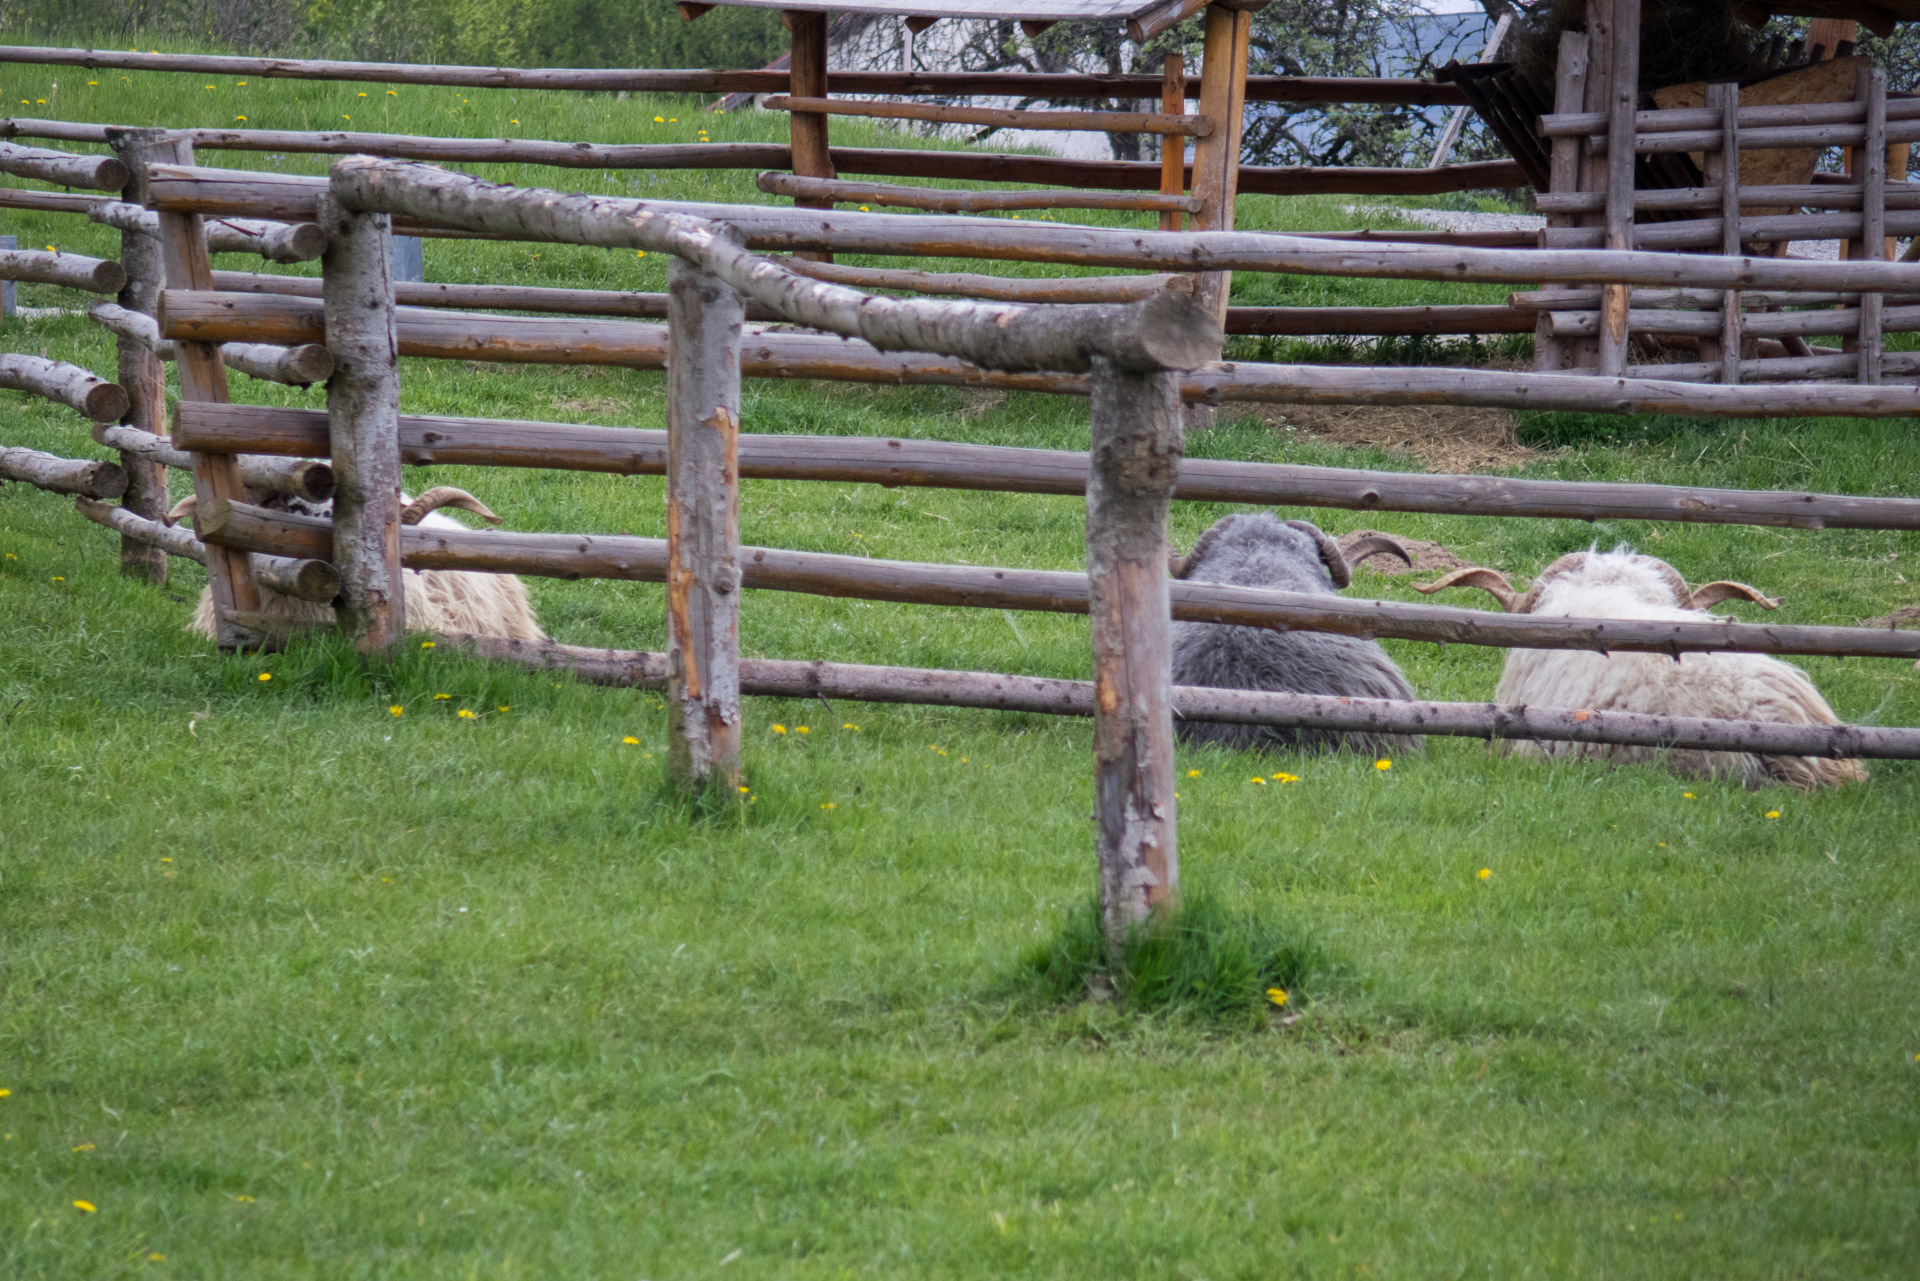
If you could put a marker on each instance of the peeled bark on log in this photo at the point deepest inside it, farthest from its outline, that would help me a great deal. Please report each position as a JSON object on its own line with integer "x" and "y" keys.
{"x": 74, "y": 271}
{"x": 63, "y": 168}
{"x": 301, "y": 477}
{"x": 47, "y": 201}
{"x": 275, "y": 241}
{"x": 703, "y": 527}
{"x": 138, "y": 367}
{"x": 63, "y": 475}
{"x": 576, "y": 556}
{"x": 300, "y": 365}
{"x": 1138, "y": 438}
{"x": 313, "y": 580}
{"x": 363, "y": 406}
{"x": 1057, "y": 289}
{"x": 996, "y": 691}
{"x": 69, "y": 385}
{"x": 997, "y": 117}
{"x": 1165, "y": 332}
{"x": 943, "y": 201}
{"x": 628, "y": 451}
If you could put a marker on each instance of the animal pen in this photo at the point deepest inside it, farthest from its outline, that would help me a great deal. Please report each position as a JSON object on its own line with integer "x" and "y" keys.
{"x": 1142, "y": 347}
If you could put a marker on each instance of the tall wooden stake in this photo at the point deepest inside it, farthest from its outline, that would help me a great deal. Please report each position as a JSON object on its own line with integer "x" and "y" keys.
{"x": 1623, "y": 100}
{"x": 1873, "y": 215}
{"x": 704, "y": 315}
{"x": 203, "y": 377}
{"x": 1569, "y": 93}
{"x": 1216, "y": 157}
{"x": 1173, "y": 151}
{"x": 1138, "y": 437}
{"x": 1724, "y": 167}
{"x": 140, "y": 370}
{"x": 807, "y": 78}
{"x": 363, "y": 422}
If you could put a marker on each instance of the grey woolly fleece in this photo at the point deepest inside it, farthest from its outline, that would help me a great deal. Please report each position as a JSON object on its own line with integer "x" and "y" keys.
{"x": 1261, "y": 550}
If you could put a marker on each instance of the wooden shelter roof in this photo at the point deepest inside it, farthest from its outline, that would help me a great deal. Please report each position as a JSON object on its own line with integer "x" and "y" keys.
{"x": 1877, "y": 16}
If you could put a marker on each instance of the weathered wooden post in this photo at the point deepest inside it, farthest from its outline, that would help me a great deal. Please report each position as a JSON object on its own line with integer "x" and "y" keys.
{"x": 140, "y": 370}
{"x": 203, "y": 377}
{"x": 1873, "y": 216}
{"x": 1138, "y": 436}
{"x": 1216, "y": 157}
{"x": 704, "y": 316}
{"x": 1623, "y": 101}
{"x": 363, "y": 420}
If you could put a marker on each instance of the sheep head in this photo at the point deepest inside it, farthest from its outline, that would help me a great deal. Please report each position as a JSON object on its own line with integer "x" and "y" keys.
{"x": 1339, "y": 565}
{"x": 1648, "y": 576}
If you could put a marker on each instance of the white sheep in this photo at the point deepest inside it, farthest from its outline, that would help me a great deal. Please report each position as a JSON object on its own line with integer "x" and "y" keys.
{"x": 1726, "y": 686}
{"x": 436, "y": 600}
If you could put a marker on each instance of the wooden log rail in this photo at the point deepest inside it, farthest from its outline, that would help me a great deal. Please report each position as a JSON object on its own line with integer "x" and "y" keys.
{"x": 1333, "y": 89}
{"x": 312, "y": 580}
{"x": 48, "y": 201}
{"x": 290, "y": 321}
{"x": 943, "y": 201}
{"x": 242, "y": 526}
{"x": 295, "y": 366}
{"x": 1166, "y": 331}
{"x": 996, "y": 691}
{"x": 1576, "y": 124}
{"x": 275, "y": 241}
{"x": 59, "y": 475}
{"x": 1815, "y": 195}
{"x": 483, "y": 442}
{"x": 243, "y": 194}
{"x": 1695, "y": 233}
{"x": 1836, "y": 320}
{"x": 73, "y": 271}
{"x": 65, "y": 384}
{"x": 1154, "y": 122}
{"x": 300, "y": 477}
{"x": 97, "y": 173}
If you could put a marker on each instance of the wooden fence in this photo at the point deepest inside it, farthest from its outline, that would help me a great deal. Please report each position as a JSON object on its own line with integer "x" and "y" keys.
{"x": 1135, "y": 359}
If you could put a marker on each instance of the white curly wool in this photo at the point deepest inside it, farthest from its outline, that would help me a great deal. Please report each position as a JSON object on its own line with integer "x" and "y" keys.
{"x": 437, "y": 600}
{"x": 1759, "y": 687}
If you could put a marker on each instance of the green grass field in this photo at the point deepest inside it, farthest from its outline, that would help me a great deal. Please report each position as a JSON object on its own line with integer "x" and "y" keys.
{"x": 309, "y": 977}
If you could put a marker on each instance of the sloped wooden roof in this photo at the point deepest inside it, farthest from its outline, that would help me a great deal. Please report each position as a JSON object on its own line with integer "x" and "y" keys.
{"x": 1878, "y": 16}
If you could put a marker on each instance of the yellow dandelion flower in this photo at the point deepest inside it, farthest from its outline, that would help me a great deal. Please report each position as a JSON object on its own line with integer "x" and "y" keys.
{"x": 166, "y": 859}
{"x": 241, "y": 83}
{"x": 466, "y": 715}
{"x": 426, "y": 644}
{"x": 1485, "y": 872}
{"x": 742, "y": 791}
{"x": 361, "y": 95}
{"x": 673, "y": 120}
{"x": 209, "y": 86}
{"x": 266, "y": 676}
{"x": 850, "y": 725}
{"x": 1286, "y": 778}
{"x": 1687, "y": 795}
{"x": 242, "y": 1197}
{"x": 93, "y": 82}
{"x": 1773, "y": 813}
{"x": 828, "y": 805}
{"x": 864, "y": 209}
{"x": 503, "y": 708}
{"x": 1278, "y": 995}
{"x": 442, "y": 698}
{"x": 1659, "y": 845}
{"x": 1383, "y": 764}
{"x": 58, "y": 579}
{"x": 941, "y": 750}
{"x": 241, "y": 119}
{"x": 156, "y": 1257}
{"x": 1193, "y": 773}
{"x": 346, "y": 117}
{"x": 397, "y": 710}
{"x": 83, "y": 1147}
{"x": 1257, "y": 779}
{"x": 639, "y": 253}
{"x": 513, "y": 122}
{"x": 86, "y": 1207}
{"x": 11, "y": 556}
{"x": 52, "y": 250}
{"x": 630, "y": 741}
{"x": 800, "y": 729}
{"x": 659, "y": 120}
{"x": 779, "y": 729}
{"x": 4, "y": 1093}
{"x": 392, "y": 94}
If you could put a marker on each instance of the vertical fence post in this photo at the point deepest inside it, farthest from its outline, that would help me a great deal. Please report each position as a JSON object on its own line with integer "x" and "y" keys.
{"x": 1563, "y": 169}
{"x": 1873, "y": 214}
{"x": 1724, "y": 167}
{"x": 1623, "y": 100}
{"x": 203, "y": 377}
{"x": 704, "y": 316}
{"x": 140, "y": 370}
{"x": 807, "y": 134}
{"x": 1173, "y": 150}
{"x": 1138, "y": 437}
{"x": 363, "y": 420}
{"x": 9, "y": 291}
{"x": 1216, "y": 157}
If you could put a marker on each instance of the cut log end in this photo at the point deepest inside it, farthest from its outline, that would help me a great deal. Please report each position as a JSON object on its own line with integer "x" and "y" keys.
{"x": 1177, "y": 332}
{"x": 308, "y": 363}
{"x": 303, "y": 242}
{"x": 105, "y": 403}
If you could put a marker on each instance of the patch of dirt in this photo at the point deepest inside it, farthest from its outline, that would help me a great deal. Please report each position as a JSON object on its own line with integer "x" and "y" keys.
{"x": 598, "y": 405}
{"x": 1905, "y": 616}
{"x": 1428, "y": 558}
{"x": 1443, "y": 438}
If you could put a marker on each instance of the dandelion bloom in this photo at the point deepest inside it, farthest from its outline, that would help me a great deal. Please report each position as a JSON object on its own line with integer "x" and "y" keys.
{"x": 779, "y": 729}
{"x": 1286, "y": 778}
{"x": 659, "y": 120}
{"x": 850, "y": 725}
{"x": 266, "y": 676}
{"x": 426, "y": 644}
{"x": 397, "y": 710}
{"x": 156, "y": 1257}
{"x": 1485, "y": 872}
{"x": 630, "y": 741}
{"x": 5, "y": 1093}
{"x": 800, "y": 729}
{"x": 743, "y": 791}
{"x": 1383, "y": 764}
{"x": 503, "y": 708}
{"x": 1278, "y": 995}
{"x": 1193, "y": 773}
{"x": 362, "y": 95}
{"x": 828, "y": 805}
{"x": 58, "y": 579}
{"x": 86, "y": 1207}
{"x": 465, "y": 714}
{"x": 441, "y": 698}
{"x": 392, "y": 94}
{"x": 1773, "y": 813}
{"x": 639, "y": 253}
{"x": 1687, "y": 795}
{"x": 243, "y": 1196}
{"x": 1257, "y": 779}
{"x": 241, "y": 119}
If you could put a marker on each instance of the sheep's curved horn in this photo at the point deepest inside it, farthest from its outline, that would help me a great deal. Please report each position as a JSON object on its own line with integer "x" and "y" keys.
{"x": 1490, "y": 581}
{"x": 1708, "y": 594}
{"x": 180, "y": 511}
{"x": 445, "y": 496}
{"x": 1330, "y": 554}
{"x": 1374, "y": 545}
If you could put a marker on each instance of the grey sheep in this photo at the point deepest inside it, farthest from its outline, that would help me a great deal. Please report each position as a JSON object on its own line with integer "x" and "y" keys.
{"x": 1261, "y": 550}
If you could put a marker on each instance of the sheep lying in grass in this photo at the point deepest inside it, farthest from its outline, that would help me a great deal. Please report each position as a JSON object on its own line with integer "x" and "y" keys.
{"x": 1261, "y": 550}
{"x": 436, "y": 600}
{"x": 1622, "y": 584}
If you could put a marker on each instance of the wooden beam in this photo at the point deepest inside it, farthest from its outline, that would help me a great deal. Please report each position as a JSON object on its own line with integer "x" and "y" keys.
{"x": 1623, "y": 99}
{"x": 1872, "y": 165}
{"x": 139, "y": 369}
{"x": 808, "y": 70}
{"x": 1173, "y": 151}
{"x": 1216, "y": 157}
{"x": 1174, "y": 124}
{"x": 940, "y": 200}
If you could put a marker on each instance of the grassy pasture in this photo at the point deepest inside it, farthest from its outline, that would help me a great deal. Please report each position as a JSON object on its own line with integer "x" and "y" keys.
{"x": 292, "y": 985}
